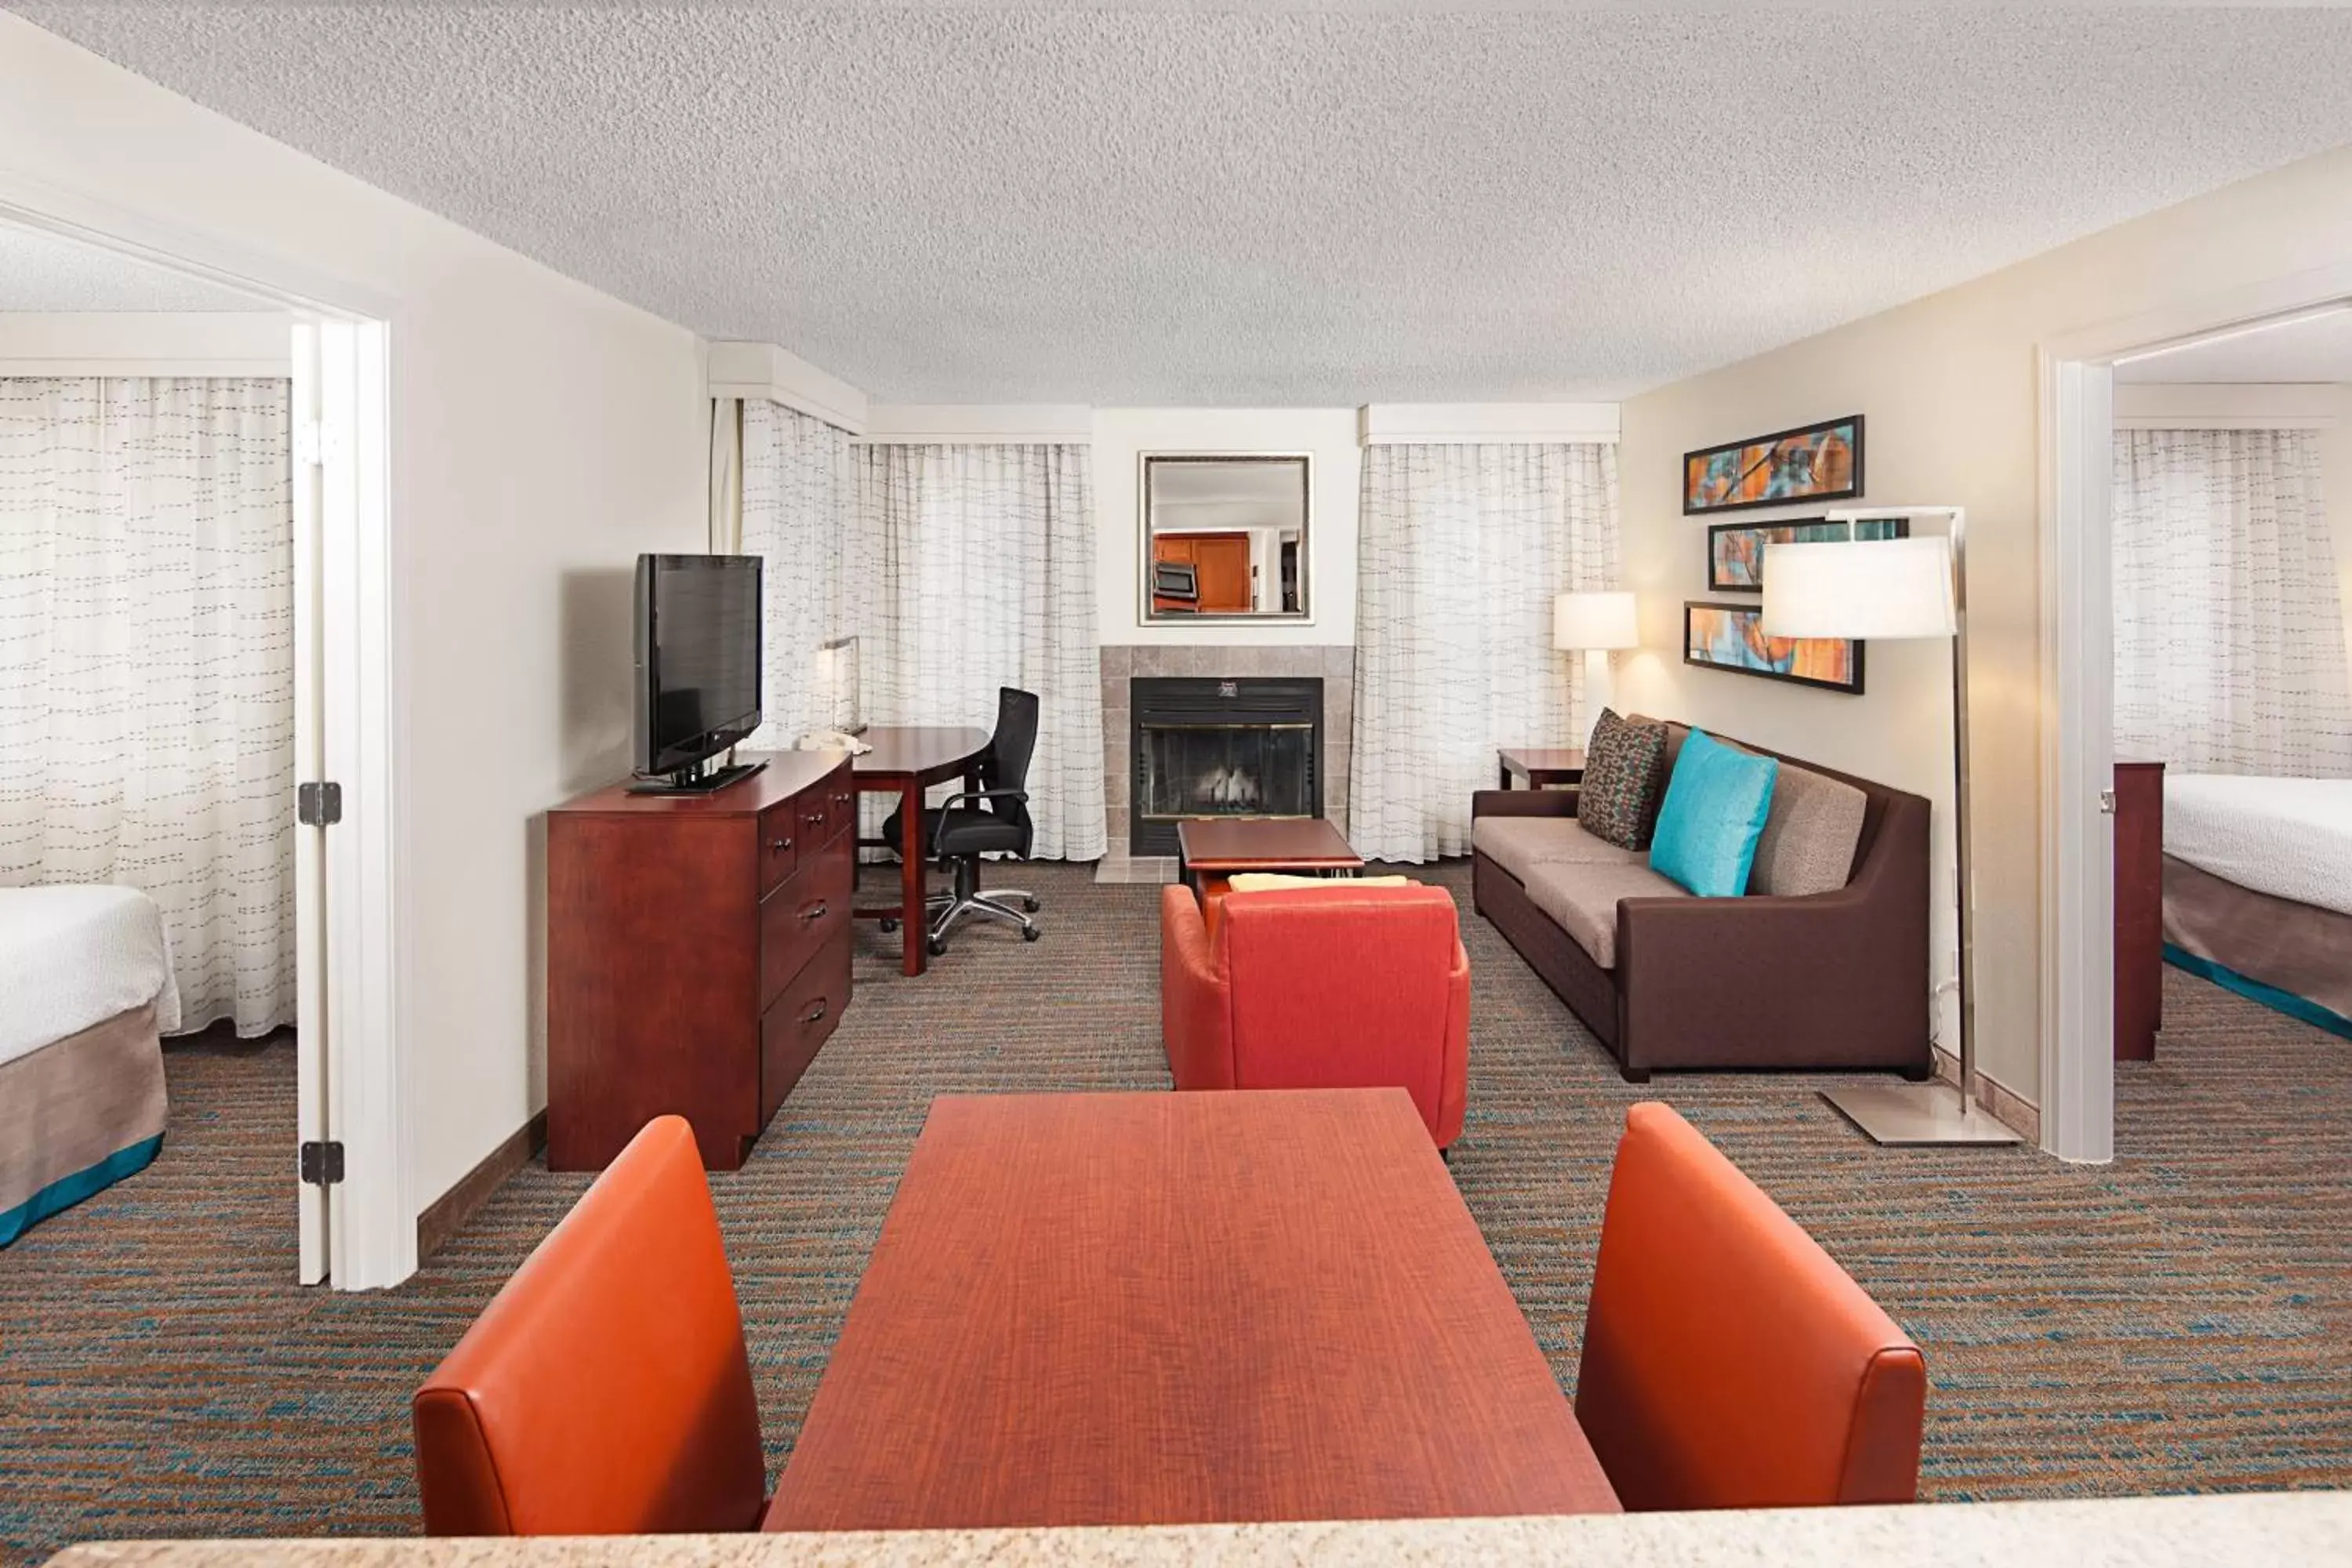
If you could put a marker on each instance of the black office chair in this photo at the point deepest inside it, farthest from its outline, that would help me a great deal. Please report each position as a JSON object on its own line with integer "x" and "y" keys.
{"x": 993, "y": 818}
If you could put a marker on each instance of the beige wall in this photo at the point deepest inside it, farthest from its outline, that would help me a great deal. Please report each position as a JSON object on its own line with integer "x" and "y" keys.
{"x": 1949, "y": 388}
{"x": 543, "y": 434}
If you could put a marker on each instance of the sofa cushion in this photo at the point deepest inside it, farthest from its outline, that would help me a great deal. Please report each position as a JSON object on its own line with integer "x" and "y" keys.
{"x": 1712, "y": 815}
{"x": 1809, "y": 835}
{"x": 1582, "y": 898}
{"x": 1520, "y": 844}
{"x": 1674, "y": 734}
{"x": 1811, "y": 832}
{"x": 1624, "y": 770}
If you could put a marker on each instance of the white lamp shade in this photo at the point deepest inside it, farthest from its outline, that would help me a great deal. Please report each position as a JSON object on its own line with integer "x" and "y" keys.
{"x": 1860, "y": 588}
{"x": 1594, "y": 621}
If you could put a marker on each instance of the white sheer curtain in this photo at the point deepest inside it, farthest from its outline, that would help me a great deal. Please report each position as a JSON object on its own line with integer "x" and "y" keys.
{"x": 985, "y": 577}
{"x": 147, "y": 666}
{"x": 799, "y": 514}
{"x": 1461, "y": 550}
{"x": 2230, "y": 653}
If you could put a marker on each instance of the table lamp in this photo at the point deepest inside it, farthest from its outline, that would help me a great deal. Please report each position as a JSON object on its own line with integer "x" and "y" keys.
{"x": 1899, "y": 588}
{"x": 1595, "y": 624}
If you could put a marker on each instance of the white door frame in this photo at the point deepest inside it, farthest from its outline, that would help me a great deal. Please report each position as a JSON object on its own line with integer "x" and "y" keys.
{"x": 371, "y": 1228}
{"x": 2077, "y": 531}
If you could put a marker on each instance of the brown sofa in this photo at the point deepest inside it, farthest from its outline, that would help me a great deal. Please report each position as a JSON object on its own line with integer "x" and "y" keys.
{"x": 1822, "y": 966}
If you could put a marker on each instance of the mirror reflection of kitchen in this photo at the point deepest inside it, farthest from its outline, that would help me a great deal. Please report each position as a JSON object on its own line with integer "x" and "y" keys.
{"x": 1225, "y": 534}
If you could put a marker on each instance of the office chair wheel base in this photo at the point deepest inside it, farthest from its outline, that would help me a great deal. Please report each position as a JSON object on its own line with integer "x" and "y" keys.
{"x": 1032, "y": 905}
{"x": 889, "y": 924}
{"x": 1031, "y": 934}
{"x": 938, "y": 947}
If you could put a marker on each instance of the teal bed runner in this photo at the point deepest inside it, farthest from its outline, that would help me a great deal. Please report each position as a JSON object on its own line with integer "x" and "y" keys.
{"x": 2270, "y": 997}
{"x": 67, "y": 1190}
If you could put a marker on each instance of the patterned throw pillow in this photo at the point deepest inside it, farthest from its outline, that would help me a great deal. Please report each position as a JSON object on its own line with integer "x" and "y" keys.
{"x": 1624, "y": 767}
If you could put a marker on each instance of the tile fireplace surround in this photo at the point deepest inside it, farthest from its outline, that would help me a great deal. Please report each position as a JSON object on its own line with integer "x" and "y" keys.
{"x": 1123, "y": 662}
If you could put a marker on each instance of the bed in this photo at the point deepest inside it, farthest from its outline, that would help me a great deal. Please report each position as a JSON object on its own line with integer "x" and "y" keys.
{"x": 2258, "y": 889}
{"x": 87, "y": 979}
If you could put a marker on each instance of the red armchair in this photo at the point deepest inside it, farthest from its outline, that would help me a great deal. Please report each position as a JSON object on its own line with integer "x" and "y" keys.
{"x": 1728, "y": 1362}
{"x": 606, "y": 1390}
{"x": 1334, "y": 987}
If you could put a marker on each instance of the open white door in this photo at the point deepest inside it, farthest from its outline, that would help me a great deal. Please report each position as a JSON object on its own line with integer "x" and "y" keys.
{"x": 309, "y": 838}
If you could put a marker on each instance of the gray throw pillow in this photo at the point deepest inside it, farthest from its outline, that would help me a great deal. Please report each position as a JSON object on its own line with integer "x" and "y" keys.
{"x": 1624, "y": 775}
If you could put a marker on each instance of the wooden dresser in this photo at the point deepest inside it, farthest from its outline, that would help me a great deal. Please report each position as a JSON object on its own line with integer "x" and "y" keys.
{"x": 697, "y": 955}
{"x": 2139, "y": 909}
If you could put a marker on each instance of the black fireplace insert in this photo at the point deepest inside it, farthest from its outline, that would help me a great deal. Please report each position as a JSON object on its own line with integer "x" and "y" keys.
{"x": 1246, "y": 746}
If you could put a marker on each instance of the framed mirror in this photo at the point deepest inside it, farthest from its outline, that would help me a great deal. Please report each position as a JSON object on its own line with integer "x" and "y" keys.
{"x": 1226, "y": 535}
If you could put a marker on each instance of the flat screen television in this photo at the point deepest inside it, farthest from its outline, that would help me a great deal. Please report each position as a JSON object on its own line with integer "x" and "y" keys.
{"x": 697, "y": 667}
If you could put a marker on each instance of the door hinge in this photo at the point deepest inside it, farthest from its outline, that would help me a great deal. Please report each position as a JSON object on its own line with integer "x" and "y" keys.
{"x": 318, "y": 805}
{"x": 322, "y": 1164}
{"x": 2107, "y": 803}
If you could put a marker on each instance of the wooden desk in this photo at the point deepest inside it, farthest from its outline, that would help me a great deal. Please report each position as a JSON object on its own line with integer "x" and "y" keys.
{"x": 1541, "y": 765}
{"x": 907, "y": 760}
{"x": 1167, "y": 1308}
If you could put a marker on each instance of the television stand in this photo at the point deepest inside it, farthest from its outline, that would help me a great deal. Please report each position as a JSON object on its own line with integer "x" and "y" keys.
{"x": 694, "y": 780}
{"x": 698, "y": 955}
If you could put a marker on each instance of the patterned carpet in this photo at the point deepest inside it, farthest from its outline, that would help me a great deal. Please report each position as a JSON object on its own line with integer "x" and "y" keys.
{"x": 2181, "y": 1319}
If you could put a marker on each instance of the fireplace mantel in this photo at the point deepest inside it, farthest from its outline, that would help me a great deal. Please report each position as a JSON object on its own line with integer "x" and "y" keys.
{"x": 1333, "y": 664}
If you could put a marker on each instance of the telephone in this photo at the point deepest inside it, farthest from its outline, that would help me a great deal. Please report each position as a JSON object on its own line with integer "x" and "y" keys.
{"x": 832, "y": 740}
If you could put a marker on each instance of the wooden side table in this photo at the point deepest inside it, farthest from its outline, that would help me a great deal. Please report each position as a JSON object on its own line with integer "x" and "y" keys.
{"x": 1541, "y": 765}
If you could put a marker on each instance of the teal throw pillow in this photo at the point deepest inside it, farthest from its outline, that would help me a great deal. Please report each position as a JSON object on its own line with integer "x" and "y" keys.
{"x": 1714, "y": 813}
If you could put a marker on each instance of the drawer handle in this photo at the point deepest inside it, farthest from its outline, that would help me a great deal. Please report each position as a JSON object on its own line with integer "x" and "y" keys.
{"x": 813, "y": 1014}
{"x": 780, "y": 844}
{"x": 815, "y": 911}
{"x": 814, "y": 818}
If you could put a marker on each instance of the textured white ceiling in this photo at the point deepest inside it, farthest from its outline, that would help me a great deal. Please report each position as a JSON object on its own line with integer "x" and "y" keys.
{"x": 2316, "y": 350}
{"x": 41, "y": 271}
{"x": 963, "y": 203}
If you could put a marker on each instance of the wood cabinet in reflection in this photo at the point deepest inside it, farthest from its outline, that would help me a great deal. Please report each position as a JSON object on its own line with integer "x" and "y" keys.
{"x": 1221, "y": 571}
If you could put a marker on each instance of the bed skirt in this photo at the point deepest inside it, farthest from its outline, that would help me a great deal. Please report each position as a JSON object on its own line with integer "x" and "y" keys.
{"x": 2294, "y": 958}
{"x": 76, "y": 1117}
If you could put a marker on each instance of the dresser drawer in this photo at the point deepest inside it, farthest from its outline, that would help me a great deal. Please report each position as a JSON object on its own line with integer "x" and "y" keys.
{"x": 780, "y": 843}
{"x": 841, "y": 796}
{"x": 802, "y": 916}
{"x": 801, "y": 1020}
{"x": 813, "y": 809}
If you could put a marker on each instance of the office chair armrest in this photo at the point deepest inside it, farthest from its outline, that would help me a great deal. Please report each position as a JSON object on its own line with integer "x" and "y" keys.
{"x": 962, "y": 795}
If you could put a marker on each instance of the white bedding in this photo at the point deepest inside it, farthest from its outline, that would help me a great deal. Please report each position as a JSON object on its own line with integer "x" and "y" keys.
{"x": 74, "y": 956}
{"x": 2290, "y": 838}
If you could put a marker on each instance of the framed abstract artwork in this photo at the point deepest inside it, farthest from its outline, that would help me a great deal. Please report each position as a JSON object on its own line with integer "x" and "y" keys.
{"x": 1734, "y": 551}
{"x": 1731, "y": 638}
{"x": 1813, "y": 462}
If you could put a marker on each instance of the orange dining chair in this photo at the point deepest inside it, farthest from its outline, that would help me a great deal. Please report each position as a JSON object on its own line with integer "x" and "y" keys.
{"x": 606, "y": 1389}
{"x": 1728, "y": 1362}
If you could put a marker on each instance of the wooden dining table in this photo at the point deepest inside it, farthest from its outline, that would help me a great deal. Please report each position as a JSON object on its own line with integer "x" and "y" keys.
{"x": 1167, "y": 1308}
{"x": 907, "y": 760}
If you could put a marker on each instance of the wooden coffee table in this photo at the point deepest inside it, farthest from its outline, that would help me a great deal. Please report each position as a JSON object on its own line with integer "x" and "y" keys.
{"x": 1221, "y": 846}
{"x": 1175, "y": 1309}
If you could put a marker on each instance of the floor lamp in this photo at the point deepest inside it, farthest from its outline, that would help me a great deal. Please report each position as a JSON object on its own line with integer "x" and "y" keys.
{"x": 1881, "y": 588}
{"x": 1595, "y": 624}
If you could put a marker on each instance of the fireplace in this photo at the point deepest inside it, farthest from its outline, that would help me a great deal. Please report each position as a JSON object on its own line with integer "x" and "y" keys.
{"x": 1241, "y": 747}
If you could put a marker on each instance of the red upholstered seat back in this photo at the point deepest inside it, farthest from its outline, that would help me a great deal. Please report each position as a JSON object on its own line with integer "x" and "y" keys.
{"x": 606, "y": 1389}
{"x": 1342, "y": 989}
{"x": 1728, "y": 1362}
